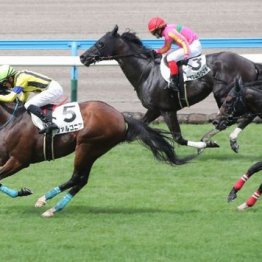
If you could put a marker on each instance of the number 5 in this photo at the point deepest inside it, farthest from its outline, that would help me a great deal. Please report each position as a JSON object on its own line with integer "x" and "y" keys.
{"x": 70, "y": 115}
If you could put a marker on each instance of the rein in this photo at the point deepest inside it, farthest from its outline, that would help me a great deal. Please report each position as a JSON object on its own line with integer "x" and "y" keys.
{"x": 238, "y": 102}
{"x": 11, "y": 117}
{"x": 98, "y": 58}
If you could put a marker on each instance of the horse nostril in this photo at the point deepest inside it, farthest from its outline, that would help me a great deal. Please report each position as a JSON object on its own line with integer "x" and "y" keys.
{"x": 82, "y": 58}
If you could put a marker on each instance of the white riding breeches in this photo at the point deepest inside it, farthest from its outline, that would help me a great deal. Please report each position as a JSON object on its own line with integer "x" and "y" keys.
{"x": 178, "y": 54}
{"x": 48, "y": 96}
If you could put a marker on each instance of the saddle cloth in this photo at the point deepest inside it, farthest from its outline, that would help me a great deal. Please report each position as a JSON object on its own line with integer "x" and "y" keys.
{"x": 196, "y": 68}
{"x": 67, "y": 117}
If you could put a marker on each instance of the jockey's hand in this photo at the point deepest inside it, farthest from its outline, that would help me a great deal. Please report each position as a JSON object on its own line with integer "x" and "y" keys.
{"x": 155, "y": 54}
{"x": 185, "y": 61}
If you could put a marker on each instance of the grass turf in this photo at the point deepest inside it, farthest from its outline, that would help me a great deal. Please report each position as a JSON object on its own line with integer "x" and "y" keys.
{"x": 137, "y": 209}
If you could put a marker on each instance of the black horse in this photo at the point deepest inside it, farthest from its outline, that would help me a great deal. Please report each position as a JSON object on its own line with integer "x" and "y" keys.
{"x": 142, "y": 69}
{"x": 242, "y": 100}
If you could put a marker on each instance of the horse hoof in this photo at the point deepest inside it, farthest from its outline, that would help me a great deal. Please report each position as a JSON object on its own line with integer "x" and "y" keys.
{"x": 49, "y": 213}
{"x": 232, "y": 195}
{"x": 40, "y": 202}
{"x": 212, "y": 144}
{"x": 234, "y": 146}
{"x": 24, "y": 192}
{"x": 242, "y": 207}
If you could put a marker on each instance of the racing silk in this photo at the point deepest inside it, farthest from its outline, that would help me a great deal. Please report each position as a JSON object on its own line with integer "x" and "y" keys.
{"x": 179, "y": 35}
{"x": 26, "y": 82}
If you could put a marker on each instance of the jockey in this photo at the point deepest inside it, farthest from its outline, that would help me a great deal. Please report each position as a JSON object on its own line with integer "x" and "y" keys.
{"x": 21, "y": 84}
{"x": 188, "y": 45}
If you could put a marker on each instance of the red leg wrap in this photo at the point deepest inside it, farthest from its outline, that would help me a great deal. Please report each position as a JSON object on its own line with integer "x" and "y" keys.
{"x": 238, "y": 185}
{"x": 253, "y": 199}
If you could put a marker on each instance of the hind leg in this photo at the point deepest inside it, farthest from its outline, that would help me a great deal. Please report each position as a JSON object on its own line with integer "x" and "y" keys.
{"x": 240, "y": 182}
{"x": 79, "y": 183}
{"x": 251, "y": 201}
{"x": 85, "y": 156}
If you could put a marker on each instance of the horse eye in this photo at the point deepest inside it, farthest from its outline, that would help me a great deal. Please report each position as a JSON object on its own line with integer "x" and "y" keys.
{"x": 100, "y": 45}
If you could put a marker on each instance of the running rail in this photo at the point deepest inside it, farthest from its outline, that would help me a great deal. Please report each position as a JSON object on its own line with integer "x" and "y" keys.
{"x": 75, "y": 45}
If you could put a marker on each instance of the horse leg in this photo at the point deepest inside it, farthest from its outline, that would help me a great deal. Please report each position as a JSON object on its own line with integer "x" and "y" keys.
{"x": 234, "y": 135}
{"x": 11, "y": 167}
{"x": 251, "y": 200}
{"x": 174, "y": 127}
{"x": 85, "y": 156}
{"x": 241, "y": 181}
{"x": 150, "y": 116}
{"x": 79, "y": 183}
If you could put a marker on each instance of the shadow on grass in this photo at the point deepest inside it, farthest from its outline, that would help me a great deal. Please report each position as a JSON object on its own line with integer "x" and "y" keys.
{"x": 233, "y": 156}
{"x": 85, "y": 210}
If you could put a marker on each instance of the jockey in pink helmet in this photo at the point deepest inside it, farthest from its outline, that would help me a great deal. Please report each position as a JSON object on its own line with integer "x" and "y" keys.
{"x": 187, "y": 42}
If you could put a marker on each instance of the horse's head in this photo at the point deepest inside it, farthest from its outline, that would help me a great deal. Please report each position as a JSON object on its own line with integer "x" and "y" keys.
{"x": 103, "y": 49}
{"x": 232, "y": 108}
{"x": 115, "y": 46}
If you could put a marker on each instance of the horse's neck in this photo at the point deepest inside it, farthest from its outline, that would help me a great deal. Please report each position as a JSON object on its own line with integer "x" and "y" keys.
{"x": 253, "y": 100}
{"x": 9, "y": 110}
{"x": 135, "y": 69}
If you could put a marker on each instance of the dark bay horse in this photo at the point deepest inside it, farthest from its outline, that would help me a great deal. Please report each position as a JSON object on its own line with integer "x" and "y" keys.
{"x": 242, "y": 100}
{"x": 104, "y": 128}
{"x": 142, "y": 69}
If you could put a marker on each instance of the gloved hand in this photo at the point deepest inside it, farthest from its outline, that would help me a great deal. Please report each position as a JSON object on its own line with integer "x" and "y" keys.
{"x": 154, "y": 53}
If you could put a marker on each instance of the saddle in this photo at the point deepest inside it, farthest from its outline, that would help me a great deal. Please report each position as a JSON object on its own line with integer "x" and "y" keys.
{"x": 189, "y": 70}
{"x": 66, "y": 116}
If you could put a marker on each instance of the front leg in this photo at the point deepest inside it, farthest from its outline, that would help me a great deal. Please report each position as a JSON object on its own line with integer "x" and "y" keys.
{"x": 150, "y": 116}
{"x": 9, "y": 168}
{"x": 174, "y": 127}
{"x": 234, "y": 135}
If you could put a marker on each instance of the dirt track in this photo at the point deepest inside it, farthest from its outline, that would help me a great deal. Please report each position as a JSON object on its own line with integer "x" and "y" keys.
{"x": 90, "y": 19}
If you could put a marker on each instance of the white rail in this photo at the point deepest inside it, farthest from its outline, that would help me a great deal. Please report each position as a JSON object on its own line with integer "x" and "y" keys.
{"x": 73, "y": 60}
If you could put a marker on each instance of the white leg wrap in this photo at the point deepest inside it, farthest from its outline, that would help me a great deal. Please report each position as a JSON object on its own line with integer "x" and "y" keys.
{"x": 242, "y": 207}
{"x": 199, "y": 145}
{"x": 49, "y": 213}
{"x": 235, "y": 133}
{"x": 41, "y": 201}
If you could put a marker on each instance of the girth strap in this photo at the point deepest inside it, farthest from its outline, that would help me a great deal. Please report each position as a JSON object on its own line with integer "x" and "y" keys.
{"x": 48, "y": 146}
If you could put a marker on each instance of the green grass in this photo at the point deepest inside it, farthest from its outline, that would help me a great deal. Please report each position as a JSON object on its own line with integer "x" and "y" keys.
{"x": 137, "y": 209}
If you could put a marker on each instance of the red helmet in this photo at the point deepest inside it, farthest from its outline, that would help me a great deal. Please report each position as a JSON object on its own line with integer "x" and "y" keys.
{"x": 156, "y": 23}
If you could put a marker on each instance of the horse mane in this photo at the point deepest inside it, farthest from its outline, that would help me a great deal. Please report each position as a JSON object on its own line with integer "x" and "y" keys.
{"x": 254, "y": 85}
{"x": 133, "y": 38}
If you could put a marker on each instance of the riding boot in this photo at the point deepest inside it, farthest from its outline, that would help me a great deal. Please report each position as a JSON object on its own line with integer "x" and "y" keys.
{"x": 49, "y": 125}
{"x": 173, "y": 85}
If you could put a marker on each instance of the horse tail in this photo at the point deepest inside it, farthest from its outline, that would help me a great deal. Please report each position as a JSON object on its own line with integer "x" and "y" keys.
{"x": 156, "y": 140}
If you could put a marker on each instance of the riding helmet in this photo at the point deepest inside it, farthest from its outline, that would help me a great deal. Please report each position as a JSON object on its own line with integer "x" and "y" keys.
{"x": 6, "y": 71}
{"x": 156, "y": 23}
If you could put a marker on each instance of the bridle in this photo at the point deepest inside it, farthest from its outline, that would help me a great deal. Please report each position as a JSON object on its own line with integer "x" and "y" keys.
{"x": 99, "y": 57}
{"x": 238, "y": 104}
{"x": 11, "y": 117}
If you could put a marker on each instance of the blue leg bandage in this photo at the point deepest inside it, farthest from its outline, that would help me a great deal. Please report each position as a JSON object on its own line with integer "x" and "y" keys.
{"x": 63, "y": 202}
{"x": 52, "y": 193}
{"x": 10, "y": 192}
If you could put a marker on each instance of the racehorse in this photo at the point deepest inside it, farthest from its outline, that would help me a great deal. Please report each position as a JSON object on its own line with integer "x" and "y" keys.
{"x": 242, "y": 100}
{"x": 142, "y": 69}
{"x": 104, "y": 127}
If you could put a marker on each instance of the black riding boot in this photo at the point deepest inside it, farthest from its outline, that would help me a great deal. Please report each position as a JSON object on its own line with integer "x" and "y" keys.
{"x": 49, "y": 125}
{"x": 173, "y": 85}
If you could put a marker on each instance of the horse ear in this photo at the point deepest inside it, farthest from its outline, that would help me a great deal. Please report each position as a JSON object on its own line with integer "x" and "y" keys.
{"x": 238, "y": 84}
{"x": 114, "y": 32}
